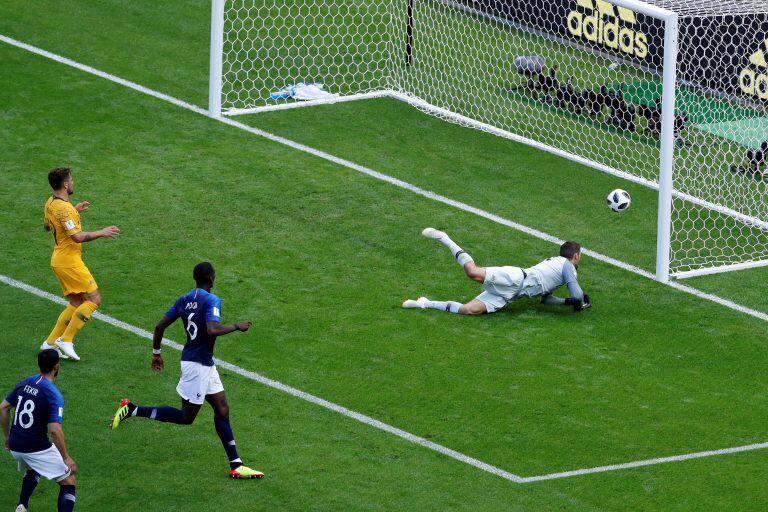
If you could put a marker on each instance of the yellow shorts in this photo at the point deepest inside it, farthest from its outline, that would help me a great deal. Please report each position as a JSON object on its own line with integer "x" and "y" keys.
{"x": 75, "y": 280}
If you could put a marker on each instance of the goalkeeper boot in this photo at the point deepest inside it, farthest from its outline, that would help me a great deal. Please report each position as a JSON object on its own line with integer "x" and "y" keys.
{"x": 433, "y": 233}
{"x": 420, "y": 303}
{"x": 244, "y": 472}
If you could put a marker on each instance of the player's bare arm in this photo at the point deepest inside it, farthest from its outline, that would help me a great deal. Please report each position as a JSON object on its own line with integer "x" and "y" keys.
{"x": 5, "y": 422}
{"x": 81, "y": 207}
{"x": 158, "y": 364}
{"x": 217, "y": 329}
{"x": 57, "y": 438}
{"x": 88, "y": 236}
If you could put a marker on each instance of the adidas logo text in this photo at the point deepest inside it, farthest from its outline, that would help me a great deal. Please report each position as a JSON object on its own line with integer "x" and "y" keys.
{"x": 608, "y": 25}
{"x": 755, "y": 81}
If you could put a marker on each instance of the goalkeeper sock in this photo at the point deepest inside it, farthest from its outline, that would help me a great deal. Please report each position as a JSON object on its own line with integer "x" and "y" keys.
{"x": 460, "y": 254}
{"x": 79, "y": 319}
{"x": 449, "y": 306}
{"x": 61, "y": 323}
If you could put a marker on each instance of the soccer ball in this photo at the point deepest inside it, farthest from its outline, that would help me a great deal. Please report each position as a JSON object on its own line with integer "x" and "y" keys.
{"x": 619, "y": 200}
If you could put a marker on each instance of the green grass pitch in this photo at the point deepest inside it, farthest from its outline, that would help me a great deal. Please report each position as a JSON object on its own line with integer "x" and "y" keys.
{"x": 320, "y": 257}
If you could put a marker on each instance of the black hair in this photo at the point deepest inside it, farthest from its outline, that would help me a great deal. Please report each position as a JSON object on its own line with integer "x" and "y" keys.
{"x": 47, "y": 359}
{"x": 203, "y": 273}
{"x": 58, "y": 176}
{"x": 569, "y": 249}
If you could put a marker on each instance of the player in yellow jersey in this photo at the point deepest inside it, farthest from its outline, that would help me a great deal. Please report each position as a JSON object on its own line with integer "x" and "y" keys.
{"x": 77, "y": 283}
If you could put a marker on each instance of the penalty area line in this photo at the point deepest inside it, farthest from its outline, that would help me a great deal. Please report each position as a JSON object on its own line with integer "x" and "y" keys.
{"x": 380, "y": 176}
{"x": 642, "y": 463}
{"x": 380, "y": 425}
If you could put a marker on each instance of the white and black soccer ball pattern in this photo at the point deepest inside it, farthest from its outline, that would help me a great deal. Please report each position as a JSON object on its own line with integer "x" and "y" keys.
{"x": 619, "y": 200}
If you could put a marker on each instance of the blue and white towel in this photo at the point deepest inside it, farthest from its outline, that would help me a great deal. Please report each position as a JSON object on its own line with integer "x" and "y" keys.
{"x": 303, "y": 92}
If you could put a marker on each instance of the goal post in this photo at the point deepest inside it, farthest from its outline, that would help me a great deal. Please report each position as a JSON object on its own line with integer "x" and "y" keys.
{"x": 667, "y": 153}
{"x": 215, "y": 75}
{"x": 668, "y": 94}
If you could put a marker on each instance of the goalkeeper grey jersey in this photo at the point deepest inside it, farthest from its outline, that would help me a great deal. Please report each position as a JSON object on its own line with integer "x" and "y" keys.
{"x": 548, "y": 275}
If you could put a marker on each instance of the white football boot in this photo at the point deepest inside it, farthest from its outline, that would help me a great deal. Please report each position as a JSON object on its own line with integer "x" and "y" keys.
{"x": 46, "y": 346}
{"x": 68, "y": 349}
{"x": 420, "y": 303}
{"x": 433, "y": 233}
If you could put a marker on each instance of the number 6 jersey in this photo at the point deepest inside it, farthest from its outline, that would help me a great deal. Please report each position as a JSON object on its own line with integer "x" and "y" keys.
{"x": 196, "y": 308}
{"x": 36, "y": 403}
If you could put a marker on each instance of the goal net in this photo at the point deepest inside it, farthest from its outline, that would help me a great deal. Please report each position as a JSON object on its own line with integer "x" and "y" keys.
{"x": 670, "y": 94}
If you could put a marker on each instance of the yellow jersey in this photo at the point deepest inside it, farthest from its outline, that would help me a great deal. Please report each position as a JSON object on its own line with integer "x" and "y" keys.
{"x": 63, "y": 221}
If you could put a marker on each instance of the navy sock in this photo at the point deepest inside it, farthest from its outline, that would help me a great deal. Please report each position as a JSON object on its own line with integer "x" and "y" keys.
{"x": 224, "y": 429}
{"x": 28, "y": 484}
{"x": 166, "y": 414}
{"x": 67, "y": 497}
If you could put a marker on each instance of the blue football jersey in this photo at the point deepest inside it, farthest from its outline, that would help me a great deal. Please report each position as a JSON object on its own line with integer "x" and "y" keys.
{"x": 195, "y": 308}
{"x": 36, "y": 403}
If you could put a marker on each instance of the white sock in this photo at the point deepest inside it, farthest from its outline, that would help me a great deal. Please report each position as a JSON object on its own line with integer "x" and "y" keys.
{"x": 449, "y": 305}
{"x": 461, "y": 256}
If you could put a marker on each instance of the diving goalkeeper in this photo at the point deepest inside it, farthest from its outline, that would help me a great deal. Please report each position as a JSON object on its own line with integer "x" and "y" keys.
{"x": 502, "y": 285}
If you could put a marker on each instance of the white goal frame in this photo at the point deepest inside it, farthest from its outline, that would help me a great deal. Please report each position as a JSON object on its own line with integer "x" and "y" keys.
{"x": 664, "y": 186}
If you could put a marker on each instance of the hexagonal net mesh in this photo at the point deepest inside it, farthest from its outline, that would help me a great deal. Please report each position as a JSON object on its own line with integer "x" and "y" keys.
{"x": 721, "y": 154}
{"x": 581, "y": 78}
{"x": 345, "y": 45}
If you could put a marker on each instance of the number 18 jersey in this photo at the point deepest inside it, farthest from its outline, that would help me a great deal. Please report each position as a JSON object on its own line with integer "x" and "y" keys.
{"x": 36, "y": 403}
{"x": 196, "y": 308}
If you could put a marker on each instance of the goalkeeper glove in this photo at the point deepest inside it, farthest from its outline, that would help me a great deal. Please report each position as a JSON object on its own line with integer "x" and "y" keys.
{"x": 577, "y": 304}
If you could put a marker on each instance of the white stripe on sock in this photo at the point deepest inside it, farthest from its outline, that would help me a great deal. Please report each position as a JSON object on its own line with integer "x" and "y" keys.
{"x": 463, "y": 258}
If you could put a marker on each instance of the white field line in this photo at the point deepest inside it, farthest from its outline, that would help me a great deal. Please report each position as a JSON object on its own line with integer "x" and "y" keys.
{"x": 367, "y": 420}
{"x": 641, "y": 463}
{"x": 401, "y": 184}
{"x": 282, "y": 387}
{"x": 311, "y": 103}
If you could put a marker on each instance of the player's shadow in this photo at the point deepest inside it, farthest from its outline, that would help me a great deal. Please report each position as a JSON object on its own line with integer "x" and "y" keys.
{"x": 534, "y": 308}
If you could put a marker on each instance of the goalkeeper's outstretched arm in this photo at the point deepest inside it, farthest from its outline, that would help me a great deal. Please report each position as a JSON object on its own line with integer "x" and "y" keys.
{"x": 577, "y": 299}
